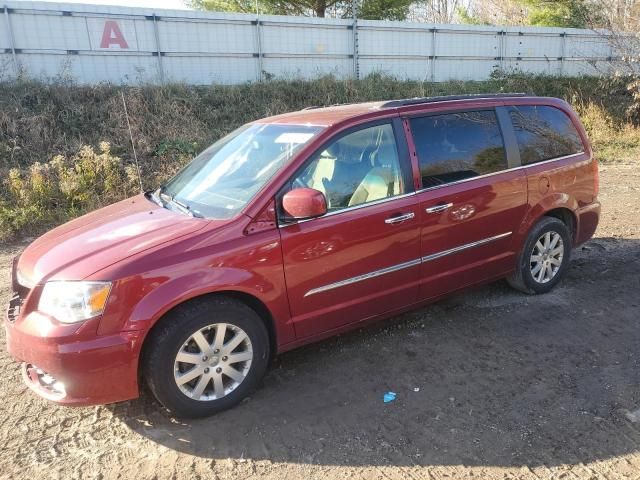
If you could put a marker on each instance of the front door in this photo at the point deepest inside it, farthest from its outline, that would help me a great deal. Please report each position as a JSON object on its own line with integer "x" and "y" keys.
{"x": 362, "y": 258}
{"x": 471, "y": 202}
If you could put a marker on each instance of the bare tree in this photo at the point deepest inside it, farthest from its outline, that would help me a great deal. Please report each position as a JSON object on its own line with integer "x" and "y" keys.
{"x": 496, "y": 12}
{"x": 435, "y": 11}
{"x": 621, "y": 15}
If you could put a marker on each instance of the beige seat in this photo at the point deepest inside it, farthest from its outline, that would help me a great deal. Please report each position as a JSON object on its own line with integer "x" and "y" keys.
{"x": 379, "y": 183}
{"x": 323, "y": 172}
{"x": 382, "y": 180}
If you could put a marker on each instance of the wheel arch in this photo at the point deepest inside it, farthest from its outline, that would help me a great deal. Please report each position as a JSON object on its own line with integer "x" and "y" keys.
{"x": 560, "y": 206}
{"x": 568, "y": 217}
{"x": 249, "y": 300}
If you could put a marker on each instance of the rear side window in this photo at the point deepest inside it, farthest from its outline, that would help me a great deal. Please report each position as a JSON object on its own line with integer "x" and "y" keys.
{"x": 543, "y": 133}
{"x": 457, "y": 146}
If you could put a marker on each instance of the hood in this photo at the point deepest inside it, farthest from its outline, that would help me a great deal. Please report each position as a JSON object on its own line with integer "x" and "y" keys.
{"x": 94, "y": 241}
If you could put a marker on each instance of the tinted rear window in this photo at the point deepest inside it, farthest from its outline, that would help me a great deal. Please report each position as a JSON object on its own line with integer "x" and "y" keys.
{"x": 544, "y": 133}
{"x": 457, "y": 146}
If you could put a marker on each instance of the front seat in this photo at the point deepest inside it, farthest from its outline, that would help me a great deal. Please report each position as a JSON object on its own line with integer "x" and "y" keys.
{"x": 381, "y": 181}
{"x": 377, "y": 184}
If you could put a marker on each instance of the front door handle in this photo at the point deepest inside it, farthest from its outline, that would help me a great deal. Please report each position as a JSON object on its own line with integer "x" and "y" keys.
{"x": 400, "y": 218}
{"x": 439, "y": 208}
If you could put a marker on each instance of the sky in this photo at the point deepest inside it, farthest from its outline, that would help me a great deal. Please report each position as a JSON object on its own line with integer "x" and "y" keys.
{"x": 173, "y": 4}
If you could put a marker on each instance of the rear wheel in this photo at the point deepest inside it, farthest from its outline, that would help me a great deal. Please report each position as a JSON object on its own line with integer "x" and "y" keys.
{"x": 206, "y": 356}
{"x": 544, "y": 258}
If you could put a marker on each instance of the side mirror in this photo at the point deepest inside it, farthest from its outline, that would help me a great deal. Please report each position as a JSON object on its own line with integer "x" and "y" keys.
{"x": 303, "y": 203}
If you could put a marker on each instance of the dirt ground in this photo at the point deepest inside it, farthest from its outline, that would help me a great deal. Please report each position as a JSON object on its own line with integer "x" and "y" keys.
{"x": 510, "y": 386}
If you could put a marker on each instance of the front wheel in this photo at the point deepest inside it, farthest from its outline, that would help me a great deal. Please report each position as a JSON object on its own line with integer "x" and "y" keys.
{"x": 206, "y": 356}
{"x": 544, "y": 258}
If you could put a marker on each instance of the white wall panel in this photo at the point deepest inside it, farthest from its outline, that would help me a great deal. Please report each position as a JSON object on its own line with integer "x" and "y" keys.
{"x": 99, "y": 43}
{"x": 415, "y": 69}
{"x": 208, "y": 70}
{"x": 145, "y": 35}
{"x": 537, "y": 46}
{"x": 455, "y": 69}
{"x": 206, "y": 37}
{"x": 385, "y": 41}
{"x": 304, "y": 67}
{"x": 587, "y": 46}
{"x": 4, "y": 34}
{"x": 115, "y": 68}
{"x": 462, "y": 44}
{"x": 111, "y": 33}
{"x": 581, "y": 67}
{"x": 298, "y": 39}
{"x": 47, "y": 32}
{"x": 544, "y": 67}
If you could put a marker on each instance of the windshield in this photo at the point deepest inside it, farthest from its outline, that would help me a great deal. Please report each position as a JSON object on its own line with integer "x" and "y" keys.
{"x": 220, "y": 181}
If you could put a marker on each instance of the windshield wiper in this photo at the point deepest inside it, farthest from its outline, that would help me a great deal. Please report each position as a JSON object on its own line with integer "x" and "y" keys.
{"x": 155, "y": 198}
{"x": 184, "y": 208}
{"x": 180, "y": 206}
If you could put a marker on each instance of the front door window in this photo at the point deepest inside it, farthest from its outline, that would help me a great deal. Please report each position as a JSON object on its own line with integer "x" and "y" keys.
{"x": 357, "y": 168}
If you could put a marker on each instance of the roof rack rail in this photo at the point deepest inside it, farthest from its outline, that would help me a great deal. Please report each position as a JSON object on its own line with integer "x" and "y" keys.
{"x": 313, "y": 107}
{"x": 446, "y": 98}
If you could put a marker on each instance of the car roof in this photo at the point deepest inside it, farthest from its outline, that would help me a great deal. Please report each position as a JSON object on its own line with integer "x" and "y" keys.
{"x": 328, "y": 116}
{"x": 325, "y": 116}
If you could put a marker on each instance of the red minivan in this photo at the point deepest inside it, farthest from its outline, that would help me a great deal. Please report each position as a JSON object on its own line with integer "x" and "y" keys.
{"x": 295, "y": 228}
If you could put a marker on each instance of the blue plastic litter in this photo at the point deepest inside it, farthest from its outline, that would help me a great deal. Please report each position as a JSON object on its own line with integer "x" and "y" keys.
{"x": 389, "y": 397}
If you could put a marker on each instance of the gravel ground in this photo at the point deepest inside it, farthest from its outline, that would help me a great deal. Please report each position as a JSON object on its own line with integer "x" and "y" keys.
{"x": 491, "y": 384}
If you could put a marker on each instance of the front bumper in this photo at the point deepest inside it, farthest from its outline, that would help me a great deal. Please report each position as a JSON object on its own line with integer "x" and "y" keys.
{"x": 91, "y": 369}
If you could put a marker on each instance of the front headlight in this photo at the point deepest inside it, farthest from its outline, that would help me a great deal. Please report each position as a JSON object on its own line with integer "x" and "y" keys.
{"x": 71, "y": 302}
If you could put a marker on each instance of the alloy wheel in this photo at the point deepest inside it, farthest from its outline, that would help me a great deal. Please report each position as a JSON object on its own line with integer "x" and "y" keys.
{"x": 546, "y": 257}
{"x": 213, "y": 362}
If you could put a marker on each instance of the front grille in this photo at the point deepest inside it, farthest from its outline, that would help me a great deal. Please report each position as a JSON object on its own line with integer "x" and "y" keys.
{"x": 20, "y": 293}
{"x": 13, "y": 311}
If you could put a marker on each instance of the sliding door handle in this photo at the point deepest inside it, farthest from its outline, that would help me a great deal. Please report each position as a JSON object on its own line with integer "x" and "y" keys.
{"x": 439, "y": 208}
{"x": 400, "y": 218}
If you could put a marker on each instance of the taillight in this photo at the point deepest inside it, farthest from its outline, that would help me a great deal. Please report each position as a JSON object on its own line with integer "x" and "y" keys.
{"x": 596, "y": 178}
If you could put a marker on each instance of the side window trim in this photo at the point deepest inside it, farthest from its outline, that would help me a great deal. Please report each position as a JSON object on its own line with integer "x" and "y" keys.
{"x": 509, "y": 137}
{"x": 506, "y": 129}
{"x": 404, "y": 156}
{"x": 403, "y": 160}
{"x": 513, "y": 108}
{"x": 512, "y": 162}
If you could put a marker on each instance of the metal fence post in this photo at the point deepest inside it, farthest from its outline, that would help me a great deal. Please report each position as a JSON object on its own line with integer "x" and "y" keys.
{"x": 11, "y": 41}
{"x": 503, "y": 48}
{"x": 612, "y": 51}
{"x": 259, "y": 47}
{"x": 432, "y": 74}
{"x": 158, "y": 50}
{"x": 354, "y": 26}
{"x": 563, "y": 46}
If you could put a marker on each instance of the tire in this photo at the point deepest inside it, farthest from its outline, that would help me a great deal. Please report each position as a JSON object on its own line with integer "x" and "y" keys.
{"x": 529, "y": 280}
{"x": 184, "y": 330}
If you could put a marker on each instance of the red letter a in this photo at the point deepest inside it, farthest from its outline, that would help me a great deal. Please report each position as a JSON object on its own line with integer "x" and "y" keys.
{"x": 112, "y": 35}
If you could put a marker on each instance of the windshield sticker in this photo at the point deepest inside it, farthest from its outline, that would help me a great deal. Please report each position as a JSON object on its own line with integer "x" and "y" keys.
{"x": 293, "y": 137}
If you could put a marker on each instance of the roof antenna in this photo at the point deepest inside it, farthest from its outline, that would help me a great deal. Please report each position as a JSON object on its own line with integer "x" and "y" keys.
{"x": 133, "y": 147}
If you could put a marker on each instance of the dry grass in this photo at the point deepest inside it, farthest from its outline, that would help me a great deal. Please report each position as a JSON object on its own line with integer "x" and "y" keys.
{"x": 171, "y": 123}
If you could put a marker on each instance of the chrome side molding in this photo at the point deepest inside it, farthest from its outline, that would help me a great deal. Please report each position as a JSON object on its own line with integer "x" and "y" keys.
{"x": 444, "y": 253}
{"x": 401, "y": 266}
{"x": 366, "y": 276}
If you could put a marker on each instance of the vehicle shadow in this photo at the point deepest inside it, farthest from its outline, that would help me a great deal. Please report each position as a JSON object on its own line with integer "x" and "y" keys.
{"x": 487, "y": 377}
